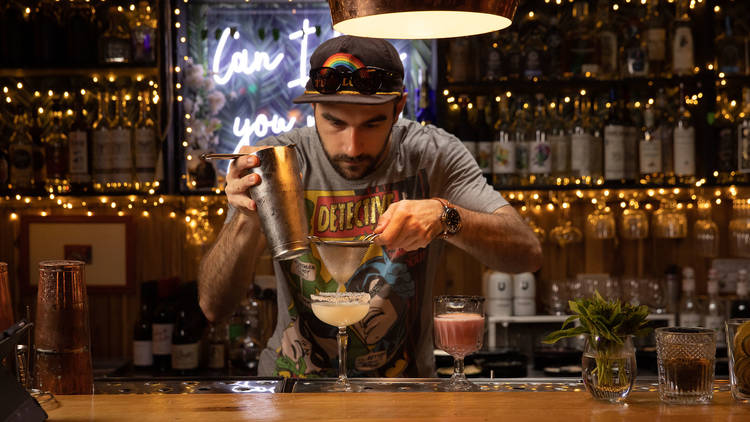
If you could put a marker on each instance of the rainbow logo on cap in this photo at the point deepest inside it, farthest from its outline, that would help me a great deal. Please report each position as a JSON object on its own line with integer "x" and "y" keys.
{"x": 344, "y": 60}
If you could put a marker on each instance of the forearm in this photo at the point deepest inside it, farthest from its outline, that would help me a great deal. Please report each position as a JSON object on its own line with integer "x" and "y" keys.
{"x": 501, "y": 240}
{"x": 227, "y": 268}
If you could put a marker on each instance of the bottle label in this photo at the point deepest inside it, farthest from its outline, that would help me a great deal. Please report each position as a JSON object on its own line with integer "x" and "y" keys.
{"x": 472, "y": 147}
{"x": 656, "y": 39}
{"x": 650, "y": 157}
{"x": 143, "y": 354}
{"x": 78, "y": 158}
{"x": 540, "y": 161}
{"x": 636, "y": 60}
{"x": 484, "y": 156}
{"x": 145, "y": 153}
{"x": 522, "y": 157}
{"x": 162, "y": 338}
{"x": 690, "y": 320}
{"x": 614, "y": 152}
{"x": 524, "y": 306}
{"x": 459, "y": 60}
{"x": 216, "y": 355}
{"x": 683, "y": 60}
{"x": 743, "y": 148}
{"x": 102, "y": 162}
{"x": 684, "y": 151}
{"x": 185, "y": 356}
{"x": 560, "y": 153}
{"x": 608, "y": 45}
{"x": 726, "y": 151}
{"x": 716, "y": 322}
{"x": 503, "y": 158}
{"x": 122, "y": 155}
{"x": 533, "y": 62}
{"x": 580, "y": 154}
{"x": 20, "y": 158}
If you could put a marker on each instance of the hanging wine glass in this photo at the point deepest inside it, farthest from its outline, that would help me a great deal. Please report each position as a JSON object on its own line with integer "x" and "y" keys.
{"x": 706, "y": 232}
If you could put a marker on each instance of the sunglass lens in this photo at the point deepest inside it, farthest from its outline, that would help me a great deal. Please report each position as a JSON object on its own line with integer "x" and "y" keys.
{"x": 326, "y": 80}
{"x": 367, "y": 81}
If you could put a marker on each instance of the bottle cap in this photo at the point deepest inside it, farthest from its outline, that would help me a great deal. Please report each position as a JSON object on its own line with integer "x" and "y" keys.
{"x": 688, "y": 284}
{"x": 713, "y": 274}
{"x": 688, "y": 272}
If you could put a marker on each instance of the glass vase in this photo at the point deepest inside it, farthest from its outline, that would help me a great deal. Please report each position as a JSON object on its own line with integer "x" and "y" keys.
{"x": 609, "y": 368}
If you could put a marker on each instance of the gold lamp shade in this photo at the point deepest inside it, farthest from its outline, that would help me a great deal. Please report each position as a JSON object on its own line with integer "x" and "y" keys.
{"x": 420, "y": 19}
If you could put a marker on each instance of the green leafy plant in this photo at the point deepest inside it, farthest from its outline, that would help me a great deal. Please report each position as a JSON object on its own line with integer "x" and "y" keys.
{"x": 607, "y": 324}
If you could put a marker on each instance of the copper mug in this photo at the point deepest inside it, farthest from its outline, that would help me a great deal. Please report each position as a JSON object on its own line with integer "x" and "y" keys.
{"x": 6, "y": 309}
{"x": 62, "y": 341}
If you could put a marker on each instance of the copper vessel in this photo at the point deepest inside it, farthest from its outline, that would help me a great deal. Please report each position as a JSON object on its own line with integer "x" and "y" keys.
{"x": 62, "y": 343}
{"x": 6, "y": 307}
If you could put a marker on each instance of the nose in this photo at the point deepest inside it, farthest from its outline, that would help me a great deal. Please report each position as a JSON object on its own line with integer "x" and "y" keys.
{"x": 355, "y": 142}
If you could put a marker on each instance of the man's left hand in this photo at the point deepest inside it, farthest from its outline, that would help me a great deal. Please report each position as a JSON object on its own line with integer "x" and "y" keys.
{"x": 410, "y": 224}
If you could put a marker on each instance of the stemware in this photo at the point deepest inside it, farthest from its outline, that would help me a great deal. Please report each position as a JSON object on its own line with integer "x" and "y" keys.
{"x": 706, "y": 232}
{"x": 459, "y": 329}
{"x": 341, "y": 309}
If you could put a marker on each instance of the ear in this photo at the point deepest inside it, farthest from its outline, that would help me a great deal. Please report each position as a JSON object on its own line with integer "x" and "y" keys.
{"x": 401, "y": 104}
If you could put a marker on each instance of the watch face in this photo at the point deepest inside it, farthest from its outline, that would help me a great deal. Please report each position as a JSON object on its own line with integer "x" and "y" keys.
{"x": 452, "y": 220}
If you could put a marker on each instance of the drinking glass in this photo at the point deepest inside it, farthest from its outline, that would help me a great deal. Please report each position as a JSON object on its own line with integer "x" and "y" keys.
{"x": 685, "y": 359}
{"x": 670, "y": 222}
{"x": 706, "y": 232}
{"x": 600, "y": 224}
{"x": 459, "y": 330}
{"x": 739, "y": 229}
{"x": 634, "y": 224}
{"x": 738, "y": 342}
{"x": 341, "y": 309}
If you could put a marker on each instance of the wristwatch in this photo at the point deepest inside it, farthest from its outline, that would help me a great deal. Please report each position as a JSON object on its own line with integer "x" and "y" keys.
{"x": 450, "y": 218}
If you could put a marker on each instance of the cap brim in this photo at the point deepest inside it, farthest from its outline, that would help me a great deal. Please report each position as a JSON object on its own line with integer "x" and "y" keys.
{"x": 376, "y": 99}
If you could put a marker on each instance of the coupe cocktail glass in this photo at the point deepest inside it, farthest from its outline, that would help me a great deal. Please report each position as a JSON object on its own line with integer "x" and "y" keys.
{"x": 341, "y": 310}
{"x": 459, "y": 330}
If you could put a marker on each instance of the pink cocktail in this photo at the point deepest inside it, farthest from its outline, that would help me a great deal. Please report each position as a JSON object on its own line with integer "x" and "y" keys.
{"x": 459, "y": 333}
{"x": 459, "y": 329}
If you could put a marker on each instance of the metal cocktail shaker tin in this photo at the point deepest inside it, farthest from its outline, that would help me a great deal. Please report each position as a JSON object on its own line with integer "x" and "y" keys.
{"x": 280, "y": 202}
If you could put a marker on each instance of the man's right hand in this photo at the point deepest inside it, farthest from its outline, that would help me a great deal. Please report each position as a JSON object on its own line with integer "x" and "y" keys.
{"x": 240, "y": 179}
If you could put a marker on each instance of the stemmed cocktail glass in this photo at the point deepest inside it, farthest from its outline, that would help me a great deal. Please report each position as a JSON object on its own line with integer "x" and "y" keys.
{"x": 341, "y": 310}
{"x": 459, "y": 330}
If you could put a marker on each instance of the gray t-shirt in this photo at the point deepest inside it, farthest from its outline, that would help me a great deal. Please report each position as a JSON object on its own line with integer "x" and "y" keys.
{"x": 395, "y": 338}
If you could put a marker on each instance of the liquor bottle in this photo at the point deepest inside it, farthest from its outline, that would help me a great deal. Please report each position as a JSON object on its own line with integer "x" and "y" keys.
{"x": 636, "y": 53}
{"x": 217, "y": 346}
{"x": 459, "y": 60}
{"x": 714, "y": 318}
{"x": 79, "y": 151}
{"x": 492, "y": 55}
{"x": 584, "y": 61}
{"x": 465, "y": 131}
{"x": 684, "y": 144}
{"x": 115, "y": 42}
{"x": 690, "y": 314}
{"x": 56, "y": 152}
{"x": 650, "y": 149}
{"x": 514, "y": 56}
{"x": 559, "y": 140}
{"x": 614, "y": 143}
{"x": 731, "y": 49}
{"x": 607, "y": 40}
{"x": 581, "y": 143}
{"x": 503, "y": 150}
{"x": 554, "y": 53}
{"x": 39, "y": 159}
{"x": 740, "y": 307}
{"x": 595, "y": 127}
{"x": 101, "y": 145}
{"x": 185, "y": 345}
{"x": 426, "y": 100}
{"x": 726, "y": 137}
{"x": 145, "y": 144}
{"x": 540, "y": 151}
{"x": 142, "y": 338}
{"x": 17, "y": 27}
{"x": 21, "y": 153}
{"x": 162, "y": 329}
{"x": 683, "y": 53}
{"x": 520, "y": 129}
{"x": 484, "y": 136}
{"x": 743, "y": 135}
{"x": 120, "y": 132}
{"x": 632, "y": 134}
{"x": 664, "y": 134}
{"x": 80, "y": 31}
{"x": 533, "y": 49}
{"x": 250, "y": 344}
{"x": 49, "y": 36}
{"x": 656, "y": 39}
{"x": 237, "y": 333}
{"x": 4, "y": 163}
{"x": 143, "y": 34}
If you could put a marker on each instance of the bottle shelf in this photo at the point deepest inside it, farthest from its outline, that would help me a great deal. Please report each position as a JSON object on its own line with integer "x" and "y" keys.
{"x": 119, "y": 70}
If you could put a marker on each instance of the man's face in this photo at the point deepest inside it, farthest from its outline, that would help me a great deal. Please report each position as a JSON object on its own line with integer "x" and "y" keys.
{"x": 355, "y": 137}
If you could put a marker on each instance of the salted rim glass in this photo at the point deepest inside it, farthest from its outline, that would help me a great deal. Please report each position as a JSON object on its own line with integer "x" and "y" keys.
{"x": 459, "y": 331}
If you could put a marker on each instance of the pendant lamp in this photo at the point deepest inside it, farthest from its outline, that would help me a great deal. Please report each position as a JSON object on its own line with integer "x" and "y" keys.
{"x": 420, "y": 19}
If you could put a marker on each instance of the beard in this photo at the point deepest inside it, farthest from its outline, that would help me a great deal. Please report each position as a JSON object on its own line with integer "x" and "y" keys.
{"x": 353, "y": 168}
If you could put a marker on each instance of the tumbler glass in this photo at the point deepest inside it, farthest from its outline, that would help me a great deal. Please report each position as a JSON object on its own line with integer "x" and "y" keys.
{"x": 62, "y": 343}
{"x": 685, "y": 360}
{"x": 738, "y": 342}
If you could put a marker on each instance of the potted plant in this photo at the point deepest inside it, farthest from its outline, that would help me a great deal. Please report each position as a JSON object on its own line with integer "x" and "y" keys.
{"x": 608, "y": 363}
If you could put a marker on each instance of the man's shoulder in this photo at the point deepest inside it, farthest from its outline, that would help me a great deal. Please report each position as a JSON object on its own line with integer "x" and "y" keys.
{"x": 414, "y": 134}
{"x": 294, "y": 136}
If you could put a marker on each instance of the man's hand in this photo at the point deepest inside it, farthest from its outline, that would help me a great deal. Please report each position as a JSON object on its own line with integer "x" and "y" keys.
{"x": 240, "y": 179}
{"x": 410, "y": 224}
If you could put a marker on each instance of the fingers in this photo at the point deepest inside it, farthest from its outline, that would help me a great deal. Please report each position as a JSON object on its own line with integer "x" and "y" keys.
{"x": 240, "y": 166}
{"x": 408, "y": 225}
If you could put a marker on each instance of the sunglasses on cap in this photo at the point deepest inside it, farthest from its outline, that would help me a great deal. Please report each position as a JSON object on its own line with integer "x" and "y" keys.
{"x": 365, "y": 80}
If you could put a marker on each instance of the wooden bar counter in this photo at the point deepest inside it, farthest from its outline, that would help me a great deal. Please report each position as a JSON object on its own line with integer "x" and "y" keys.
{"x": 481, "y": 406}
